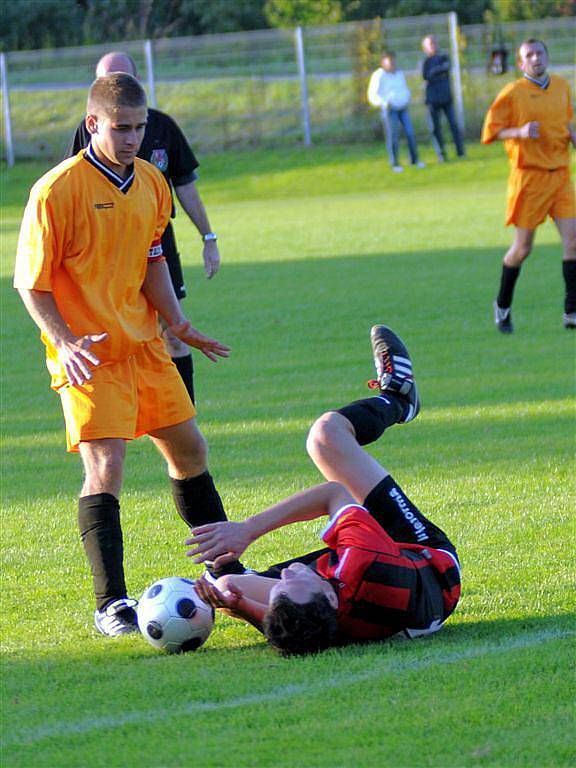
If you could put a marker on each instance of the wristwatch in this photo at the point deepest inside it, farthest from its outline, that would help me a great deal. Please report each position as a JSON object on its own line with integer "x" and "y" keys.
{"x": 209, "y": 236}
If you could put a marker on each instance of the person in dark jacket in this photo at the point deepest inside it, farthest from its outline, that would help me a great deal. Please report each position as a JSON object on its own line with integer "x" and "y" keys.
{"x": 436, "y": 73}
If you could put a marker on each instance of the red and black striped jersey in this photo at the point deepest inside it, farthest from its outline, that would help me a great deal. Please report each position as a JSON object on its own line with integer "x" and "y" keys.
{"x": 385, "y": 587}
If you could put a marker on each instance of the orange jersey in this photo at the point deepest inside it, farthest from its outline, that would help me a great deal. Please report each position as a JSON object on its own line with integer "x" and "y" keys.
{"x": 522, "y": 102}
{"x": 87, "y": 240}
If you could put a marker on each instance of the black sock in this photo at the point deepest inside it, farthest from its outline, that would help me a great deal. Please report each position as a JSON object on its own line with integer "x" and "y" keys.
{"x": 371, "y": 416}
{"x": 569, "y": 272}
{"x": 507, "y": 283}
{"x": 186, "y": 370}
{"x": 198, "y": 503}
{"x": 400, "y": 517}
{"x": 101, "y": 534}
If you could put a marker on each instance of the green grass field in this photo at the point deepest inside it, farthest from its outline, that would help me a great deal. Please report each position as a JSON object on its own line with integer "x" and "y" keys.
{"x": 317, "y": 246}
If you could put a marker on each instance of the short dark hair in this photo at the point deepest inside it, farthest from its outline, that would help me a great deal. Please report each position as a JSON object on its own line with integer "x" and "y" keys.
{"x": 388, "y": 55}
{"x": 115, "y": 90}
{"x": 300, "y": 628}
{"x": 532, "y": 41}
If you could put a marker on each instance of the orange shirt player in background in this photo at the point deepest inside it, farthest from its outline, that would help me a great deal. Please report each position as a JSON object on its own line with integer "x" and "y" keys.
{"x": 533, "y": 117}
{"x": 91, "y": 274}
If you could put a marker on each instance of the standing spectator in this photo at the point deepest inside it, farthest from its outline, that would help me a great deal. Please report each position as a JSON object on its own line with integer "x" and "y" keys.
{"x": 389, "y": 91}
{"x": 532, "y": 117}
{"x": 165, "y": 146}
{"x": 436, "y": 73}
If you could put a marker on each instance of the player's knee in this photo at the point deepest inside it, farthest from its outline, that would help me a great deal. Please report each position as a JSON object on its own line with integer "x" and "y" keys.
{"x": 323, "y": 434}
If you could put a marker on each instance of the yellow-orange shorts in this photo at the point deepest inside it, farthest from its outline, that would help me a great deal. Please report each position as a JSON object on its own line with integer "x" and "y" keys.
{"x": 534, "y": 194}
{"x": 126, "y": 399}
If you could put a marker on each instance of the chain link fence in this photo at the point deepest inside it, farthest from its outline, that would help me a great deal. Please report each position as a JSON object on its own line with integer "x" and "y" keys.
{"x": 250, "y": 89}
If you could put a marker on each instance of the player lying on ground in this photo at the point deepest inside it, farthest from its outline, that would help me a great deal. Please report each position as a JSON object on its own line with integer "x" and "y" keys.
{"x": 386, "y": 569}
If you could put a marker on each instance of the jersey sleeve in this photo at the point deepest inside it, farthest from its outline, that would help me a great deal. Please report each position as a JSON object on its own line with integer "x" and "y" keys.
{"x": 155, "y": 252}
{"x": 498, "y": 117}
{"x": 40, "y": 245}
{"x": 182, "y": 161}
{"x": 354, "y": 526}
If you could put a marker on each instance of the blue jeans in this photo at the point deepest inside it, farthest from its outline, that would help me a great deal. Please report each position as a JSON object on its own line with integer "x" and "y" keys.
{"x": 393, "y": 119}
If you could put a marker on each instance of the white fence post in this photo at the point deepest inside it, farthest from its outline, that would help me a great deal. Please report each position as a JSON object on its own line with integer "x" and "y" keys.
{"x": 150, "y": 72}
{"x": 7, "y": 118}
{"x": 299, "y": 44}
{"x": 456, "y": 76}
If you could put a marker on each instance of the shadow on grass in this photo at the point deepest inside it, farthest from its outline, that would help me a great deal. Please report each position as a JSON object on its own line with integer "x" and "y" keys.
{"x": 299, "y": 336}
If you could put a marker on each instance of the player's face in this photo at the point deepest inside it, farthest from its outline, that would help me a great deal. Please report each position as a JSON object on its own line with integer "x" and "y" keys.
{"x": 533, "y": 59}
{"x": 300, "y": 583}
{"x": 117, "y": 139}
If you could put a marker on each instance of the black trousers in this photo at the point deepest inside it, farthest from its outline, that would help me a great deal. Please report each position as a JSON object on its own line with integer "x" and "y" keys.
{"x": 435, "y": 112}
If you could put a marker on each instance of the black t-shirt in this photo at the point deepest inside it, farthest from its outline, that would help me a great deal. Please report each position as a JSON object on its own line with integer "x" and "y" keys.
{"x": 436, "y": 72}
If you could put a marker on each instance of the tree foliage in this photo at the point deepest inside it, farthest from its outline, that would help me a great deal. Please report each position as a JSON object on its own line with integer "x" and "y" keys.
{"x": 55, "y": 23}
{"x": 293, "y": 13}
{"x": 530, "y": 10}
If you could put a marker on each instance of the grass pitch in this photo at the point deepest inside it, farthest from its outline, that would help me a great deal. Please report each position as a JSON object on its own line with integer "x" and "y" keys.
{"x": 317, "y": 246}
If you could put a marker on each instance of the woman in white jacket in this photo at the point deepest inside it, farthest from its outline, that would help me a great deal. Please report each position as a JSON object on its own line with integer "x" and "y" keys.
{"x": 389, "y": 91}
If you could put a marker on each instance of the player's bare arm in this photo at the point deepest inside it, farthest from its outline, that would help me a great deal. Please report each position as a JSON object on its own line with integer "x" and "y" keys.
{"x": 530, "y": 130}
{"x": 223, "y": 542}
{"x": 189, "y": 199}
{"x": 74, "y": 351}
{"x": 157, "y": 288}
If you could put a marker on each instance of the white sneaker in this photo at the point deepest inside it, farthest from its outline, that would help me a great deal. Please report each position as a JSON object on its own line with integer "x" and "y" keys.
{"x": 397, "y": 169}
{"x": 569, "y": 319}
{"x": 118, "y": 618}
{"x": 420, "y": 164}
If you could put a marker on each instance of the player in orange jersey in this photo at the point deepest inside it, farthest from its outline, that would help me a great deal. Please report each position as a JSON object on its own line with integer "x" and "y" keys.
{"x": 533, "y": 117}
{"x": 91, "y": 273}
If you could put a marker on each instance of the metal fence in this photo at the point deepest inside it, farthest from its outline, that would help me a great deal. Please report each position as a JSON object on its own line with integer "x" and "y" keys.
{"x": 269, "y": 87}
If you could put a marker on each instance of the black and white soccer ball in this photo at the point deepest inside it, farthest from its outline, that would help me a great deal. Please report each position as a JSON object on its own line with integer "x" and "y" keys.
{"x": 172, "y": 617}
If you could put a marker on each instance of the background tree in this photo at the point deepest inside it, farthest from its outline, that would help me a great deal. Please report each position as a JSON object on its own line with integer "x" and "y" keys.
{"x": 292, "y": 13}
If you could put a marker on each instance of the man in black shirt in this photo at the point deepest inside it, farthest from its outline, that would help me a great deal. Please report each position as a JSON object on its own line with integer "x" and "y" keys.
{"x": 165, "y": 146}
{"x": 436, "y": 73}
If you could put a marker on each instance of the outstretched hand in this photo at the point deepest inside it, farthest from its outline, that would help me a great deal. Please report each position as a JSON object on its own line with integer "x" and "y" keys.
{"x": 218, "y": 542}
{"x": 228, "y": 599}
{"x": 75, "y": 354}
{"x": 212, "y": 348}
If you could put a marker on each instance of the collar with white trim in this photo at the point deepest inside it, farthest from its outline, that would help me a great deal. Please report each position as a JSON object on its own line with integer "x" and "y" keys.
{"x": 122, "y": 184}
{"x": 540, "y": 83}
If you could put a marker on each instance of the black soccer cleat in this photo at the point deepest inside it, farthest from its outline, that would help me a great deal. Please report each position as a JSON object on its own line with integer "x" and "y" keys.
{"x": 569, "y": 320}
{"x": 394, "y": 373}
{"x": 503, "y": 319}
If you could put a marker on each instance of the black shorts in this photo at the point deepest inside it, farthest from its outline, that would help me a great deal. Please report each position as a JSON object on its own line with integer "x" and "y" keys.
{"x": 173, "y": 260}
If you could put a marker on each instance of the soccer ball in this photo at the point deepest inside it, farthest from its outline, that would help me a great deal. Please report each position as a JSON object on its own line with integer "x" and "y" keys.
{"x": 172, "y": 617}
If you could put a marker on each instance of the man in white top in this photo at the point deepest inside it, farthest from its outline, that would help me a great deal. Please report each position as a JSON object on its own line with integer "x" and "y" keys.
{"x": 389, "y": 91}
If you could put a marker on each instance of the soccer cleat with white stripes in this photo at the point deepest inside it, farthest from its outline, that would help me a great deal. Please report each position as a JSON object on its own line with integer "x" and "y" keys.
{"x": 503, "y": 319}
{"x": 118, "y": 618}
{"x": 569, "y": 320}
{"x": 394, "y": 373}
